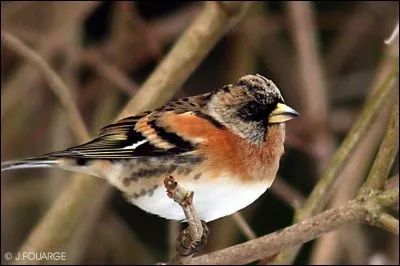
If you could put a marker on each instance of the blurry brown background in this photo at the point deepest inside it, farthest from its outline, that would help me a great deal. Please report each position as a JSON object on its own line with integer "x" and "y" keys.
{"x": 105, "y": 50}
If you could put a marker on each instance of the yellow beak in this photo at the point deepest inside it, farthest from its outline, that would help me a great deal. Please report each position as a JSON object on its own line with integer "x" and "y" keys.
{"x": 282, "y": 113}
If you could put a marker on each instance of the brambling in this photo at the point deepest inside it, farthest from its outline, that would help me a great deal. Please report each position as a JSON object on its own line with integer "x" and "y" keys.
{"x": 225, "y": 146}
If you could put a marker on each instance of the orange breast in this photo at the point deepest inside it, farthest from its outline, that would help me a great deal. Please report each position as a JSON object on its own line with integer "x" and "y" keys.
{"x": 229, "y": 153}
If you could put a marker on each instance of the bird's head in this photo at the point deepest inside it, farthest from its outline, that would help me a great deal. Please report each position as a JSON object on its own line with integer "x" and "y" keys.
{"x": 250, "y": 106}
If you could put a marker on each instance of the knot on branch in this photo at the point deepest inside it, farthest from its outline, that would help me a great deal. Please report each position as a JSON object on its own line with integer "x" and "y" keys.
{"x": 186, "y": 245}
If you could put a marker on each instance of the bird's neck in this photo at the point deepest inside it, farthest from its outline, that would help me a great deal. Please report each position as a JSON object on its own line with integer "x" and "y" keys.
{"x": 265, "y": 158}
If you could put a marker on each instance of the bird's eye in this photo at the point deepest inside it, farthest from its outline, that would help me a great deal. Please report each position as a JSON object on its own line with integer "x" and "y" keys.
{"x": 252, "y": 108}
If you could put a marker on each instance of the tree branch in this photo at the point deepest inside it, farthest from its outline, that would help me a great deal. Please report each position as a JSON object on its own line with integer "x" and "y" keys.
{"x": 193, "y": 46}
{"x": 312, "y": 80}
{"x": 26, "y": 76}
{"x": 60, "y": 89}
{"x": 185, "y": 199}
{"x": 389, "y": 223}
{"x": 243, "y": 226}
{"x": 386, "y": 154}
{"x": 110, "y": 72}
{"x": 287, "y": 193}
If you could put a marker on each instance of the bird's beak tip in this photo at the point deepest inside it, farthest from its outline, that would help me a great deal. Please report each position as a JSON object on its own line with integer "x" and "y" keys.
{"x": 282, "y": 113}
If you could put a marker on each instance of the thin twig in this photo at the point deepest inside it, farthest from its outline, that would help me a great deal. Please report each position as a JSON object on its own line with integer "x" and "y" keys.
{"x": 27, "y": 77}
{"x": 386, "y": 154}
{"x": 110, "y": 72}
{"x": 57, "y": 224}
{"x": 274, "y": 52}
{"x": 125, "y": 240}
{"x": 357, "y": 27}
{"x": 287, "y": 193}
{"x": 185, "y": 199}
{"x": 107, "y": 57}
{"x": 311, "y": 73}
{"x": 244, "y": 226}
{"x": 81, "y": 235}
{"x": 165, "y": 29}
{"x": 388, "y": 222}
{"x": 194, "y": 44}
{"x": 313, "y": 88}
{"x": 60, "y": 89}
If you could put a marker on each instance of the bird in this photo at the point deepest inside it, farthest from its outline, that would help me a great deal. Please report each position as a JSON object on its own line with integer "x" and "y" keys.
{"x": 225, "y": 146}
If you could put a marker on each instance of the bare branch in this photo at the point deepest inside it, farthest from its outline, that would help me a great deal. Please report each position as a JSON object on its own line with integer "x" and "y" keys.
{"x": 287, "y": 193}
{"x": 356, "y": 29}
{"x": 312, "y": 81}
{"x": 186, "y": 55}
{"x": 388, "y": 222}
{"x": 386, "y": 154}
{"x": 26, "y": 76}
{"x": 60, "y": 89}
{"x": 185, "y": 199}
{"x": 243, "y": 226}
{"x": 57, "y": 224}
{"x": 110, "y": 72}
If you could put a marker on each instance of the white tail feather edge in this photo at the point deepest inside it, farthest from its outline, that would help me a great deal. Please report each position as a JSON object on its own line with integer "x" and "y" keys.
{"x": 28, "y": 163}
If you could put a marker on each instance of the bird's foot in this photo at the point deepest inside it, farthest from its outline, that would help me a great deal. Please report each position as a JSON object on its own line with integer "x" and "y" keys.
{"x": 186, "y": 246}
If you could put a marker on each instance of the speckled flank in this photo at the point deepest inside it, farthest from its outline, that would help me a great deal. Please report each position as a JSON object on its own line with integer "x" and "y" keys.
{"x": 184, "y": 170}
{"x": 180, "y": 165}
{"x": 197, "y": 176}
{"x": 140, "y": 179}
{"x": 143, "y": 192}
{"x": 150, "y": 192}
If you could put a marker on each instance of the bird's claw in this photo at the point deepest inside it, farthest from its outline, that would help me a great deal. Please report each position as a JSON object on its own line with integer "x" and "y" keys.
{"x": 184, "y": 244}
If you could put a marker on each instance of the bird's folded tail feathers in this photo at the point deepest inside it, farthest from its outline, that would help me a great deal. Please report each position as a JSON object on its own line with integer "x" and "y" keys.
{"x": 35, "y": 162}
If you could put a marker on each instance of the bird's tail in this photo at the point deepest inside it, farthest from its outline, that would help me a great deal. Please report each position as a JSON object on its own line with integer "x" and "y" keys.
{"x": 35, "y": 162}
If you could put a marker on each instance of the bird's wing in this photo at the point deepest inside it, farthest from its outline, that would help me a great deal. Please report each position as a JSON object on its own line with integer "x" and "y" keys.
{"x": 142, "y": 135}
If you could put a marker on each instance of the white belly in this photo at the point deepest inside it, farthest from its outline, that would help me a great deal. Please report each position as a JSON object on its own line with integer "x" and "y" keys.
{"x": 213, "y": 199}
